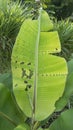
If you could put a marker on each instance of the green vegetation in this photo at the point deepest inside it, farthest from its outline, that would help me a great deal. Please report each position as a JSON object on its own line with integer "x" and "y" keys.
{"x": 36, "y": 65}
{"x": 12, "y": 15}
{"x": 65, "y": 31}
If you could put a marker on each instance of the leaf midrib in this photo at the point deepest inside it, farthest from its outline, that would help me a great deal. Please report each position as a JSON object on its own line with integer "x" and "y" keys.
{"x": 36, "y": 64}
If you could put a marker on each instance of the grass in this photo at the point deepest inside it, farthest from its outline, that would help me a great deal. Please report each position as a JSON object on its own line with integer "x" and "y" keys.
{"x": 65, "y": 31}
{"x": 12, "y": 15}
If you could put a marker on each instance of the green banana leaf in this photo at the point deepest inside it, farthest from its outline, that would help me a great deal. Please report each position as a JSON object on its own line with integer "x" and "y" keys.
{"x": 38, "y": 76}
{"x": 64, "y": 121}
{"x": 8, "y": 107}
{"x": 68, "y": 92}
{"x": 22, "y": 127}
{"x": 6, "y": 79}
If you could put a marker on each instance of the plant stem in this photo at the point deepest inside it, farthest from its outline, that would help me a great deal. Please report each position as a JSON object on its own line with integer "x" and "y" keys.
{"x": 36, "y": 125}
{"x": 36, "y": 70}
{"x": 8, "y": 118}
{"x": 33, "y": 121}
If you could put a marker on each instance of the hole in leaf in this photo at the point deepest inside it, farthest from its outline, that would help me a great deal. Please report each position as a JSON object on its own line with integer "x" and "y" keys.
{"x": 29, "y": 86}
{"x": 22, "y": 63}
{"x": 16, "y": 61}
{"x": 23, "y": 72}
{"x": 26, "y": 89}
{"x": 56, "y": 48}
{"x": 25, "y": 82}
{"x": 31, "y": 73}
{"x": 16, "y": 85}
{"x": 29, "y": 63}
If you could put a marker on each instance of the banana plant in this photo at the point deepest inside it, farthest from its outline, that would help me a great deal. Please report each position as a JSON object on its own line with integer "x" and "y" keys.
{"x": 10, "y": 114}
{"x": 64, "y": 121}
{"x": 39, "y": 76}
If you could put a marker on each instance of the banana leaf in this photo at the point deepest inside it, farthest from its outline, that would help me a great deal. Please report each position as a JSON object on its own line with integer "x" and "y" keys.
{"x": 64, "y": 121}
{"x": 22, "y": 127}
{"x": 38, "y": 76}
{"x": 10, "y": 114}
{"x": 68, "y": 92}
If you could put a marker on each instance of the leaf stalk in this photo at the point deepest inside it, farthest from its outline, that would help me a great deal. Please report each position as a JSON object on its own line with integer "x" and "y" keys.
{"x": 8, "y": 118}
